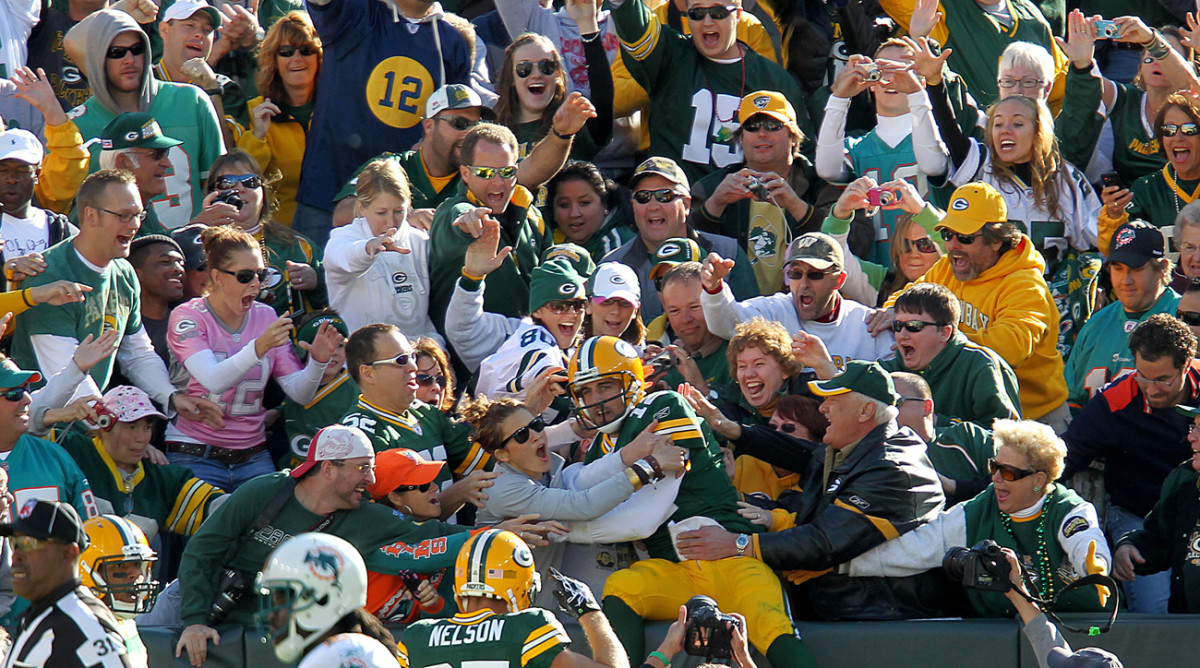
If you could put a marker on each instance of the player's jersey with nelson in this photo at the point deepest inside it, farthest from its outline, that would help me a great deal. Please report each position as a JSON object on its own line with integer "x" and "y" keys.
{"x": 527, "y": 639}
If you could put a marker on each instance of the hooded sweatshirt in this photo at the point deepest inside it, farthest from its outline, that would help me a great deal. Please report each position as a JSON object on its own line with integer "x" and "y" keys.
{"x": 1009, "y": 309}
{"x": 183, "y": 112}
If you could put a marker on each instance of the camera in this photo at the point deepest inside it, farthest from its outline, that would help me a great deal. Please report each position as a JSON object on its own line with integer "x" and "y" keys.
{"x": 982, "y": 567}
{"x": 709, "y": 632}
{"x": 873, "y": 73}
{"x": 661, "y": 364}
{"x": 758, "y": 189}
{"x": 231, "y": 198}
{"x": 880, "y": 197}
{"x": 1107, "y": 30}
{"x": 231, "y": 590}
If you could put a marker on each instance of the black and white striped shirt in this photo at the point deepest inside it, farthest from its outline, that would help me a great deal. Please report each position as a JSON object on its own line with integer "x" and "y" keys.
{"x": 69, "y": 628}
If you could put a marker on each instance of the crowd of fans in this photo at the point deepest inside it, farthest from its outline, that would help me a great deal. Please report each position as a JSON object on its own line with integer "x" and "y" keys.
{"x": 690, "y": 296}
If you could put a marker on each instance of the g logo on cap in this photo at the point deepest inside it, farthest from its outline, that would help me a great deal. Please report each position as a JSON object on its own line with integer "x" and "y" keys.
{"x": 667, "y": 249}
{"x": 566, "y": 289}
{"x": 960, "y": 204}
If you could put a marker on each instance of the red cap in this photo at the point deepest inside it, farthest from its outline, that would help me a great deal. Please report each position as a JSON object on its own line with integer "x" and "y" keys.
{"x": 401, "y": 466}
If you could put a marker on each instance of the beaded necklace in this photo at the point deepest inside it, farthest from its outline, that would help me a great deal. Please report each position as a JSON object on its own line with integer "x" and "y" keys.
{"x": 1045, "y": 580}
{"x": 713, "y": 93}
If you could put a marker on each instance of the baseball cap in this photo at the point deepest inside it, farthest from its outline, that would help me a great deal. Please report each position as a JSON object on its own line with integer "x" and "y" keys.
{"x": 1190, "y": 411}
{"x": 818, "y": 249}
{"x": 1135, "y": 243}
{"x": 1088, "y": 657}
{"x": 130, "y": 403}
{"x": 335, "y": 443}
{"x": 613, "y": 279}
{"x": 867, "y": 378}
{"x": 188, "y": 240}
{"x": 456, "y": 96}
{"x": 575, "y": 255}
{"x": 142, "y": 242}
{"x": 664, "y": 167}
{"x": 308, "y": 332}
{"x": 183, "y": 9}
{"x": 552, "y": 281}
{"x": 972, "y": 206}
{"x": 769, "y": 102}
{"x": 18, "y": 144}
{"x": 48, "y": 520}
{"x": 672, "y": 253}
{"x": 134, "y": 129}
{"x": 401, "y": 466}
{"x": 13, "y": 376}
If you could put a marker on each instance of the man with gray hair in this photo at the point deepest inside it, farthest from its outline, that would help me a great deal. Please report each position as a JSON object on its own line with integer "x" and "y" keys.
{"x": 134, "y": 142}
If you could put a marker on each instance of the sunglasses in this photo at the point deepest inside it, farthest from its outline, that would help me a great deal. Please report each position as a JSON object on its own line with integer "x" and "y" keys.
{"x": 901, "y": 400}
{"x": 964, "y": 239}
{"x": 489, "y": 173}
{"x": 797, "y": 274}
{"x": 756, "y": 124}
{"x": 786, "y": 427}
{"x": 913, "y": 326}
{"x": 244, "y": 276}
{"x": 118, "y": 52}
{"x": 561, "y": 306}
{"x": 1008, "y": 473}
{"x": 697, "y": 14}
{"x": 157, "y": 153}
{"x": 289, "y": 51}
{"x": 31, "y": 544}
{"x": 1189, "y": 318}
{"x": 522, "y": 435}
{"x": 663, "y": 196}
{"x": 15, "y": 394}
{"x": 426, "y": 380}
{"x": 923, "y": 245}
{"x": 546, "y": 66}
{"x": 458, "y": 123}
{"x": 230, "y": 181}
{"x": 399, "y": 360}
{"x": 411, "y": 488}
{"x": 1170, "y": 129}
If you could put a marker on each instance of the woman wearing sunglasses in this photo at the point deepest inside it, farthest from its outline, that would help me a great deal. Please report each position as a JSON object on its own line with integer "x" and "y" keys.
{"x": 1054, "y": 532}
{"x": 295, "y": 279}
{"x": 435, "y": 375}
{"x": 231, "y": 346}
{"x": 289, "y": 62}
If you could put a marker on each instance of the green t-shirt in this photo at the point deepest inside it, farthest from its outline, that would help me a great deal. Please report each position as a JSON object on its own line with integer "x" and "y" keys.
{"x": 301, "y": 422}
{"x": 530, "y": 638}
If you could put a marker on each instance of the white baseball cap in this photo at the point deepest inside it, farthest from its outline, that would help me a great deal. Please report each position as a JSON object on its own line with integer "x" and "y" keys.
{"x": 18, "y": 144}
{"x": 613, "y": 279}
{"x": 335, "y": 443}
{"x": 456, "y": 96}
{"x": 183, "y": 9}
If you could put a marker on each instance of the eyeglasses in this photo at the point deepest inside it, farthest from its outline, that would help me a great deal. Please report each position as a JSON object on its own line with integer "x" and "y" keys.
{"x": 488, "y": 173}
{"x": 546, "y": 66}
{"x": 913, "y": 326}
{"x": 796, "y": 274}
{"x": 561, "y": 306}
{"x": 662, "y": 196}
{"x": 786, "y": 427}
{"x": 289, "y": 51}
{"x": 522, "y": 435}
{"x": 719, "y": 12}
{"x": 127, "y": 218}
{"x": 426, "y": 380}
{"x": 15, "y": 394}
{"x": 399, "y": 360}
{"x": 1189, "y": 318}
{"x": 118, "y": 52}
{"x": 459, "y": 123}
{"x": 1170, "y": 129}
{"x": 964, "y": 239}
{"x": 362, "y": 468}
{"x": 1188, "y": 248}
{"x": 923, "y": 245}
{"x": 760, "y": 122}
{"x": 1025, "y": 84}
{"x": 409, "y": 488}
{"x": 244, "y": 276}
{"x": 1008, "y": 473}
{"x": 31, "y": 544}
{"x": 157, "y": 153}
{"x": 1137, "y": 375}
{"x": 230, "y": 181}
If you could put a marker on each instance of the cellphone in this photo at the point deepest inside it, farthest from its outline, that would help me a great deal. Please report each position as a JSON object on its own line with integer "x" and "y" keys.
{"x": 1107, "y": 29}
{"x": 1111, "y": 179}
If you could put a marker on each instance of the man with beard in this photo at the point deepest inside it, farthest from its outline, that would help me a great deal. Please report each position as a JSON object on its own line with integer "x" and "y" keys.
{"x": 135, "y": 142}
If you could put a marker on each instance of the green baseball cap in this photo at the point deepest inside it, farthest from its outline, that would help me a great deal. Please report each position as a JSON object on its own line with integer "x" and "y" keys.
{"x": 553, "y": 281}
{"x": 867, "y": 378}
{"x": 817, "y": 249}
{"x": 308, "y": 332}
{"x": 673, "y": 252}
{"x": 1190, "y": 411}
{"x": 575, "y": 255}
{"x": 134, "y": 130}
{"x": 664, "y": 167}
{"x": 12, "y": 376}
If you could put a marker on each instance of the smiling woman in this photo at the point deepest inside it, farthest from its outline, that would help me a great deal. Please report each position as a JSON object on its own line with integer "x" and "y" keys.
{"x": 762, "y": 367}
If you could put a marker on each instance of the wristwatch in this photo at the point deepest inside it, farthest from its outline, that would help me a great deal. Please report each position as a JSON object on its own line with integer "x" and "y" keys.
{"x": 743, "y": 542}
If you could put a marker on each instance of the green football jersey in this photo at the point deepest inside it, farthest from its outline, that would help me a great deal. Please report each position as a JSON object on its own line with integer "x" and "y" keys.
{"x": 1158, "y": 197}
{"x": 425, "y": 195}
{"x": 527, "y": 639}
{"x": 300, "y": 423}
{"x": 1078, "y": 127}
{"x": 706, "y": 489}
{"x": 425, "y": 430}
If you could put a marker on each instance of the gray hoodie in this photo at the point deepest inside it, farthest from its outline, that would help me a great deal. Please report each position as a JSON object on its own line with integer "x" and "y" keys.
{"x": 88, "y": 44}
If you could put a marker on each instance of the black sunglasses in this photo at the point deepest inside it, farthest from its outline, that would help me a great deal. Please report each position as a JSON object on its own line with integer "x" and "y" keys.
{"x": 427, "y": 379}
{"x": 663, "y": 196}
{"x": 1008, "y": 473}
{"x": 1189, "y": 318}
{"x": 561, "y": 306}
{"x": 786, "y": 427}
{"x": 814, "y": 275}
{"x": 913, "y": 326}
{"x": 924, "y": 245}
{"x": 230, "y": 181}
{"x": 399, "y": 360}
{"x": 546, "y": 66}
{"x": 289, "y": 51}
{"x": 760, "y": 122}
{"x": 409, "y": 488}
{"x": 15, "y": 394}
{"x": 964, "y": 239}
{"x": 1188, "y": 129}
{"x": 244, "y": 276}
{"x": 522, "y": 435}
{"x": 118, "y": 52}
{"x": 901, "y": 400}
{"x": 719, "y": 12}
{"x": 459, "y": 123}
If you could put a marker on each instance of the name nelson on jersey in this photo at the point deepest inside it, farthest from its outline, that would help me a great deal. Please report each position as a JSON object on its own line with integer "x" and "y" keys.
{"x": 488, "y": 630}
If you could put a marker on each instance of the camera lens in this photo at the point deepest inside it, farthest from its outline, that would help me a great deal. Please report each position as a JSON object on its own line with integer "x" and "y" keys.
{"x": 955, "y": 563}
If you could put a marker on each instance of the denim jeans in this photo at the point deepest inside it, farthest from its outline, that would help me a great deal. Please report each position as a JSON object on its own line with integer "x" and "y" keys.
{"x": 225, "y": 476}
{"x": 166, "y": 609}
{"x": 313, "y": 223}
{"x": 1147, "y": 593}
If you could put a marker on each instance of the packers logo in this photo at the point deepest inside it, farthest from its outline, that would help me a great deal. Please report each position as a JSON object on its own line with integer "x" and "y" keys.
{"x": 1124, "y": 237}
{"x": 616, "y": 279}
{"x": 184, "y": 326}
{"x": 1076, "y": 525}
{"x": 522, "y": 556}
{"x": 567, "y": 289}
{"x": 667, "y": 250}
{"x": 960, "y": 204}
{"x": 625, "y": 349}
{"x": 399, "y": 277}
{"x": 324, "y": 563}
{"x": 761, "y": 101}
{"x": 132, "y": 135}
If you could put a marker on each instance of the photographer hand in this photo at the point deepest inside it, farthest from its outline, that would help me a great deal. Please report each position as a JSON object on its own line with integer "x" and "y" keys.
{"x": 741, "y": 648}
{"x": 672, "y": 643}
{"x": 1025, "y": 608}
{"x": 574, "y": 597}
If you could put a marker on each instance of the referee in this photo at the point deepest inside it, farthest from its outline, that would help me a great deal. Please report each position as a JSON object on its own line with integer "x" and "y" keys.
{"x": 65, "y": 625}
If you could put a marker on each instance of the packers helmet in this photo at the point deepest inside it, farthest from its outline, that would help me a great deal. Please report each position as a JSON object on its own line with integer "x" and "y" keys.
{"x": 602, "y": 357}
{"x": 116, "y": 540}
{"x": 497, "y": 564}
